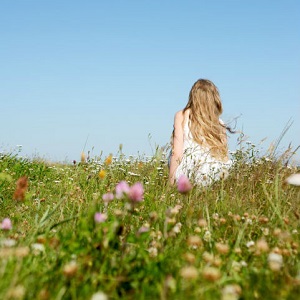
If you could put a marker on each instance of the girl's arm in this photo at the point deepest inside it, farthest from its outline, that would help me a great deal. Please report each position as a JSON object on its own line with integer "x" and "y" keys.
{"x": 177, "y": 146}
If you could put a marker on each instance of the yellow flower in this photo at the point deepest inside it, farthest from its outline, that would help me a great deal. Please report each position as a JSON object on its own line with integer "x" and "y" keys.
{"x": 102, "y": 174}
{"x": 108, "y": 160}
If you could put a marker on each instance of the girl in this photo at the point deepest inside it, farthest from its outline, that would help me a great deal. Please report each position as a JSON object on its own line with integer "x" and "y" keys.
{"x": 199, "y": 141}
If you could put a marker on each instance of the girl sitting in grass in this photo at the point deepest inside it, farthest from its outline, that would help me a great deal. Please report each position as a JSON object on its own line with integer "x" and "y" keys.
{"x": 199, "y": 141}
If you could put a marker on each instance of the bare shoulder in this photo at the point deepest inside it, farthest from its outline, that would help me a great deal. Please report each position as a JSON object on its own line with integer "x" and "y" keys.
{"x": 179, "y": 114}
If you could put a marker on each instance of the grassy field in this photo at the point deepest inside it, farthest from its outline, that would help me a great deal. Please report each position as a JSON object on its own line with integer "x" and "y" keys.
{"x": 67, "y": 233}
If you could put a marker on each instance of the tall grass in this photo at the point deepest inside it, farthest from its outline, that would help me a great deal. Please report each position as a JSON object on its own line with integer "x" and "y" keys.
{"x": 237, "y": 239}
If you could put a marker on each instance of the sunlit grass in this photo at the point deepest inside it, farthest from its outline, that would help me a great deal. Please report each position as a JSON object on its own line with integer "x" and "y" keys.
{"x": 74, "y": 236}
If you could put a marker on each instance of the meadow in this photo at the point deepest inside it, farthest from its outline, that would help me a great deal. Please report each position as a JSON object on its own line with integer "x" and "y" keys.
{"x": 113, "y": 228}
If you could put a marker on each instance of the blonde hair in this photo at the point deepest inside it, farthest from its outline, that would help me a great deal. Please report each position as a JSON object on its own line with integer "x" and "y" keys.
{"x": 205, "y": 108}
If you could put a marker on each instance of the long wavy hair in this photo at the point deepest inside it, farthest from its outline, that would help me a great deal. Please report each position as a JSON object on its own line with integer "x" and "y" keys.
{"x": 205, "y": 108}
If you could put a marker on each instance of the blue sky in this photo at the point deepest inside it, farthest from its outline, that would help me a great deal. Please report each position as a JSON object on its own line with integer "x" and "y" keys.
{"x": 101, "y": 73}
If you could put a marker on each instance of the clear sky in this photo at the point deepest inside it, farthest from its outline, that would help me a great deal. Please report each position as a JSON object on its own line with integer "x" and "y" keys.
{"x": 101, "y": 73}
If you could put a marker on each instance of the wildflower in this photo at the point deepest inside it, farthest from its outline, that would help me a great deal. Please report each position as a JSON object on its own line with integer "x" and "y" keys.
{"x": 153, "y": 216}
{"x": 189, "y": 272}
{"x": 202, "y": 223}
{"x": 207, "y": 236}
{"x": 293, "y": 179}
{"x": 183, "y": 184}
{"x": 238, "y": 250}
{"x": 153, "y": 251}
{"x": 190, "y": 257}
{"x": 277, "y": 231}
{"x": 177, "y": 228}
{"x": 236, "y": 266}
{"x": 102, "y": 174}
{"x": 143, "y": 229}
{"x": 121, "y": 189}
{"x": 222, "y": 220}
{"x": 99, "y": 217}
{"x": 37, "y": 248}
{"x": 6, "y": 224}
{"x": 231, "y": 292}
{"x": 8, "y": 243}
{"x": 262, "y": 246}
{"x": 217, "y": 262}
{"x": 22, "y": 184}
{"x": 208, "y": 257}
{"x": 197, "y": 230}
{"x": 175, "y": 210}
{"x": 171, "y": 220}
{"x": 108, "y": 159}
{"x": 244, "y": 264}
{"x": 250, "y": 244}
{"x": 215, "y": 216}
{"x": 70, "y": 269}
{"x": 136, "y": 192}
{"x": 211, "y": 273}
{"x": 263, "y": 220}
{"x": 99, "y": 296}
{"x": 194, "y": 241}
{"x": 107, "y": 197}
{"x": 275, "y": 261}
{"x": 222, "y": 248}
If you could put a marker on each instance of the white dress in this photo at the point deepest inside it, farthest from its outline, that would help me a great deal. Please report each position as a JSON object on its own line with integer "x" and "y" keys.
{"x": 198, "y": 164}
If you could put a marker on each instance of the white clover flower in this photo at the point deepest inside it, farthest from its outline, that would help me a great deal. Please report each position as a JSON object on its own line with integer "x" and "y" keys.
{"x": 37, "y": 248}
{"x": 8, "y": 243}
{"x": 275, "y": 261}
{"x": 153, "y": 251}
{"x": 243, "y": 263}
{"x": 177, "y": 228}
{"x": 99, "y": 296}
{"x": 231, "y": 292}
{"x": 207, "y": 236}
{"x": 249, "y": 221}
{"x": 250, "y": 244}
